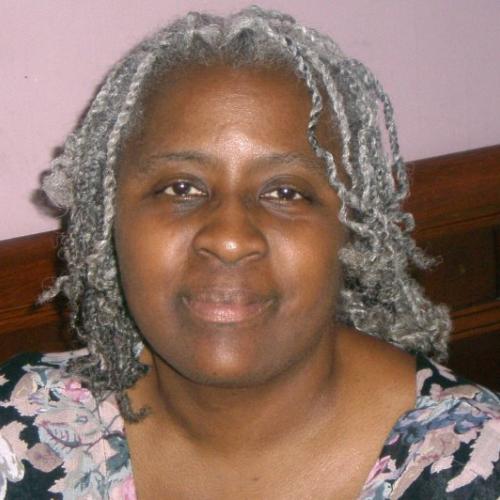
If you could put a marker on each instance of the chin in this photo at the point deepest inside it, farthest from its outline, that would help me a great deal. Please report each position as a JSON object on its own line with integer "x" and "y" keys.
{"x": 230, "y": 375}
{"x": 236, "y": 372}
{"x": 223, "y": 377}
{"x": 227, "y": 382}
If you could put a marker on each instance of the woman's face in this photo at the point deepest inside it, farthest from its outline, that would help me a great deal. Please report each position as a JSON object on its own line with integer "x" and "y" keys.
{"x": 226, "y": 227}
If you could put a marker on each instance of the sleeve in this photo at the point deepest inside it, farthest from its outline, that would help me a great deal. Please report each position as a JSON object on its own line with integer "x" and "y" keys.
{"x": 20, "y": 449}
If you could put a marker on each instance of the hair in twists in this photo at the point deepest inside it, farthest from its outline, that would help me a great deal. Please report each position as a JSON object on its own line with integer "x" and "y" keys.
{"x": 378, "y": 296}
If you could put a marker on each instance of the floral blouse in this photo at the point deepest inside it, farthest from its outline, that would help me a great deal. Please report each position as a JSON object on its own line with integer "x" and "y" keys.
{"x": 56, "y": 442}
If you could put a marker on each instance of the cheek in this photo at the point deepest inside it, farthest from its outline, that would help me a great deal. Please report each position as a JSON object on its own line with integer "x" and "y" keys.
{"x": 308, "y": 263}
{"x": 150, "y": 258}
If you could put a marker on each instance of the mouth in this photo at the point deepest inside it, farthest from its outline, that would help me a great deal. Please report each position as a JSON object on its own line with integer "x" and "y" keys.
{"x": 225, "y": 306}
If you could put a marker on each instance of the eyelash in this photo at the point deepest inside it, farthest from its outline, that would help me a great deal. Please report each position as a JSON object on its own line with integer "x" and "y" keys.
{"x": 281, "y": 200}
{"x": 302, "y": 196}
{"x": 188, "y": 183}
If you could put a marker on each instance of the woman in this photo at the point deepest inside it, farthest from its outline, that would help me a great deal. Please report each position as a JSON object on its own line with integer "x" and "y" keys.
{"x": 238, "y": 269}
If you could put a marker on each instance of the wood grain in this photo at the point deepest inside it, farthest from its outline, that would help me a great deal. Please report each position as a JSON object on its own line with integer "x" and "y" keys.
{"x": 27, "y": 266}
{"x": 456, "y": 192}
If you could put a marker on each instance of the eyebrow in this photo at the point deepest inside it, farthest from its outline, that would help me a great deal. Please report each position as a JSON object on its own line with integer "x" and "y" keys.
{"x": 205, "y": 160}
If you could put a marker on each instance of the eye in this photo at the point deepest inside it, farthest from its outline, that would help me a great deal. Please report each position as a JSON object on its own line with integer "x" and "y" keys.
{"x": 182, "y": 189}
{"x": 283, "y": 194}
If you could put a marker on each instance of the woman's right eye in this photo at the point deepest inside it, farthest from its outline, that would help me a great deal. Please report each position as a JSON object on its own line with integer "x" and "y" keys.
{"x": 182, "y": 189}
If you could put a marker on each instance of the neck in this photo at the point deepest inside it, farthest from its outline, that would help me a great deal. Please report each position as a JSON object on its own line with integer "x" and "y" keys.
{"x": 232, "y": 418}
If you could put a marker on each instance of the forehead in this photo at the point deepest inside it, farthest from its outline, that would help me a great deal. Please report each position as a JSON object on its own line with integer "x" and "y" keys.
{"x": 220, "y": 92}
{"x": 194, "y": 83}
{"x": 268, "y": 106}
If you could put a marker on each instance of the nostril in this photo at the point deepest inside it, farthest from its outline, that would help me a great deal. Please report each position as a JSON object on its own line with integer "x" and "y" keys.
{"x": 230, "y": 243}
{"x": 230, "y": 232}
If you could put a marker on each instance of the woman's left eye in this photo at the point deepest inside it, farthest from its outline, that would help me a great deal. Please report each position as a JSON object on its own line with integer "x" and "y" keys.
{"x": 283, "y": 193}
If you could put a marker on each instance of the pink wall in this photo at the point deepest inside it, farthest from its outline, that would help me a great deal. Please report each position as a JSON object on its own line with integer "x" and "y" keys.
{"x": 439, "y": 60}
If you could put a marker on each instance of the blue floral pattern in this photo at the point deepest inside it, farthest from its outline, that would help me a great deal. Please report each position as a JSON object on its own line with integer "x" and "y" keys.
{"x": 57, "y": 442}
{"x": 447, "y": 447}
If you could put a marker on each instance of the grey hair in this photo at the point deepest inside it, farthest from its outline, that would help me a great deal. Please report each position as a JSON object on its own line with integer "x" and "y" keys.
{"x": 378, "y": 295}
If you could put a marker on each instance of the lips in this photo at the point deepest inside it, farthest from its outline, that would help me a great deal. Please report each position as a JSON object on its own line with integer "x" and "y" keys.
{"x": 223, "y": 305}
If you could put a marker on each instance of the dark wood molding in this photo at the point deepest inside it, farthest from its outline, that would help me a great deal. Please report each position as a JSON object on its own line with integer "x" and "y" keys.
{"x": 456, "y": 192}
{"x": 456, "y": 203}
{"x": 28, "y": 266}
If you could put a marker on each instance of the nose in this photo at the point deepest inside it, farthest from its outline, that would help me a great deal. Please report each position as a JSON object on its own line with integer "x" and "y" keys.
{"x": 229, "y": 234}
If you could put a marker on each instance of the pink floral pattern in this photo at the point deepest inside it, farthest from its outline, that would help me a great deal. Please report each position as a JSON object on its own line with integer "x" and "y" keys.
{"x": 81, "y": 440}
{"x": 57, "y": 442}
{"x": 447, "y": 447}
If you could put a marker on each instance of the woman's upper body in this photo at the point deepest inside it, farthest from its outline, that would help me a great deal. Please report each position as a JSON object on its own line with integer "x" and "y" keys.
{"x": 233, "y": 224}
{"x": 58, "y": 442}
{"x": 226, "y": 230}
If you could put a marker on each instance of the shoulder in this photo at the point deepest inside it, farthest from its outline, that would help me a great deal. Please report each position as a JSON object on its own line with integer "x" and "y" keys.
{"x": 50, "y": 424}
{"x": 25, "y": 378}
{"x": 26, "y": 381}
{"x": 449, "y": 444}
